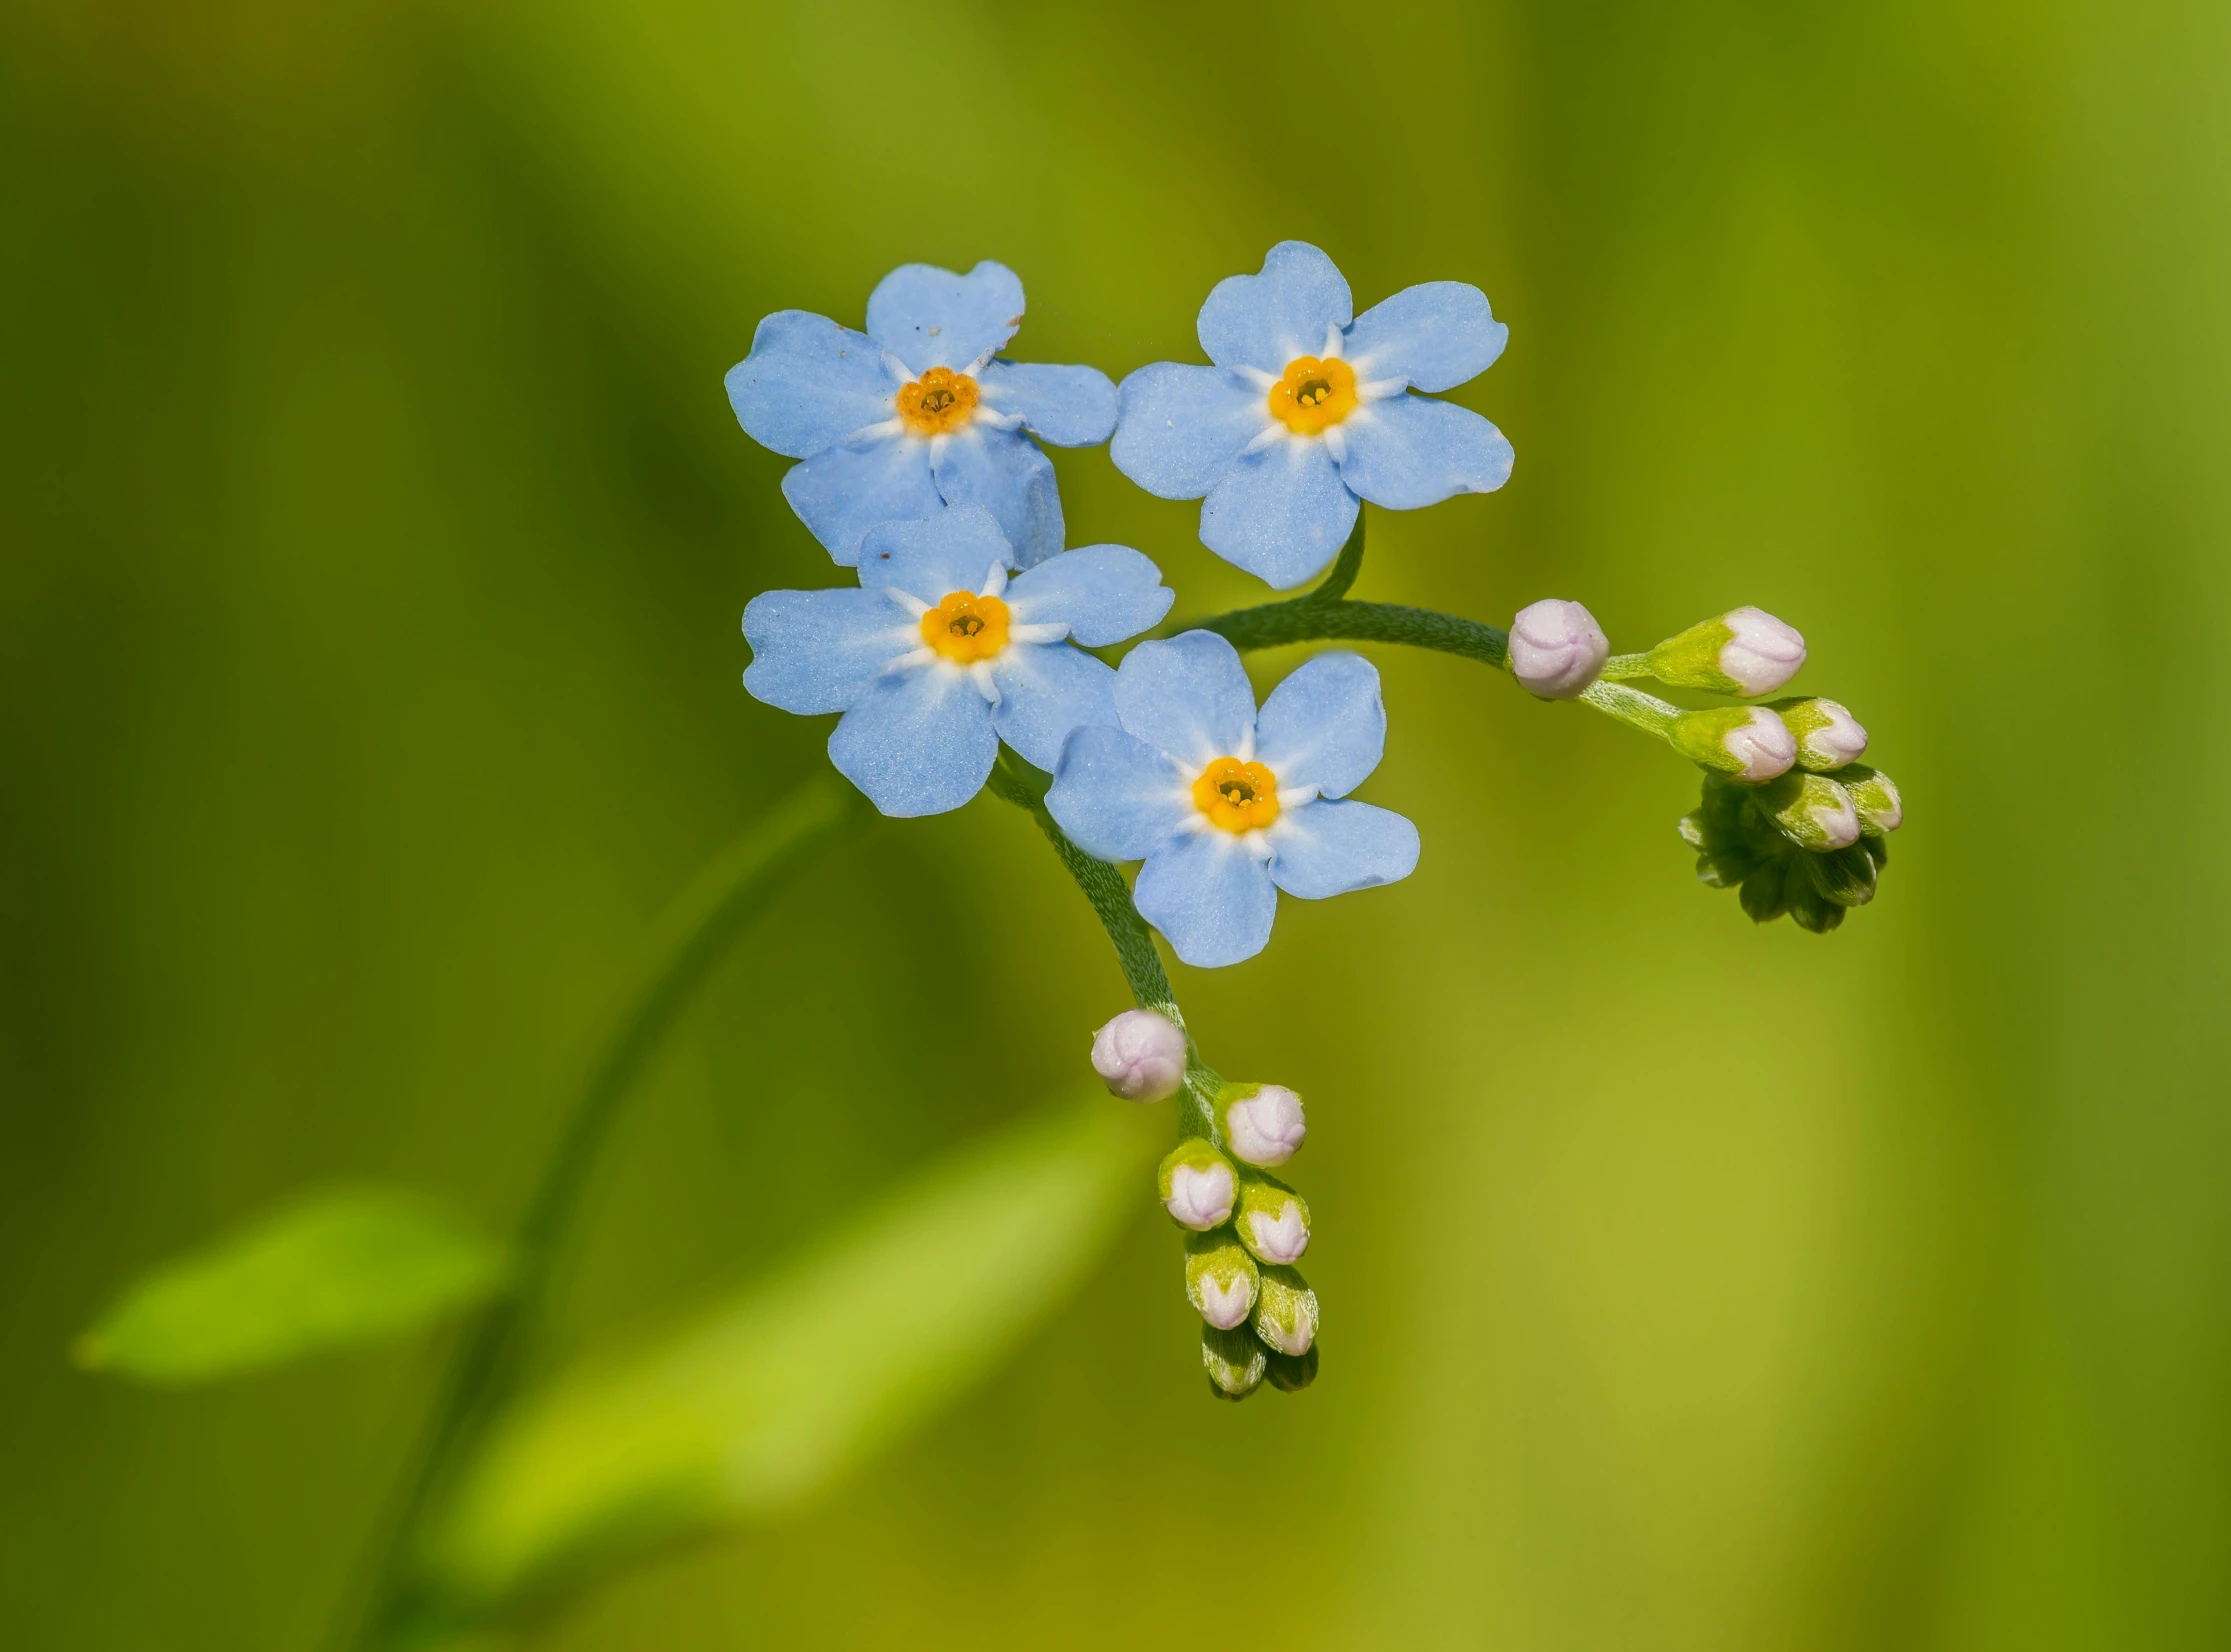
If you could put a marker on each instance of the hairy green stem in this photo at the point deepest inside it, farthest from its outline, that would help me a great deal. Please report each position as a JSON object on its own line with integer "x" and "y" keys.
{"x": 696, "y": 932}
{"x": 1024, "y": 786}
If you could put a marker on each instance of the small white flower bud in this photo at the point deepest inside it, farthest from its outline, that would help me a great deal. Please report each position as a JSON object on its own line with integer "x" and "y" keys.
{"x": 1235, "y": 1361}
{"x": 1745, "y": 743}
{"x": 1262, "y": 1122}
{"x": 1220, "y": 1279}
{"x": 1285, "y": 1311}
{"x": 1828, "y": 736}
{"x": 1140, "y": 1056}
{"x": 1762, "y": 654}
{"x": 1880, "y": 807}
{"x": 1746, "y": 652}
{"x": 1198, "y": 1186}
{"x": 1273, "y": 1221}
{"x": 1556, "y": 648}
{"x": 1811, "y": 810}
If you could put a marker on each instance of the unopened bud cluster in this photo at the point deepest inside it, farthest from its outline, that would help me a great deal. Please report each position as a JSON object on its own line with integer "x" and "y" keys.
{"x": 1245, "y": 1230}
{"x": 1810, "y": 845}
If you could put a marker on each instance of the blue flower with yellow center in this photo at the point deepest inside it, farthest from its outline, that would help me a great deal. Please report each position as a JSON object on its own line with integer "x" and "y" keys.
{"x": 1309, "y": 410}
{"x": 1227, "y": 807}
{"x": 918, "y": 412}
{"x": 940, "y": 654}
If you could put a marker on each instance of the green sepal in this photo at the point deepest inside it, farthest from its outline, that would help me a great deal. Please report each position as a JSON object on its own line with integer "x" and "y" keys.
{"x": 1292, "y": 1375}
{"x": 1217, "y": 1267}
{"x": 1764, "y": 897}
{"x": 1844, "y": 876}
{"x": 1285, "y": 1312}
{"x": 1873, "y": 794}
{"x": 1692, "y": 659}
{"x": 1264, "y": 1197}
{"x": 1234, "y": 1360}
{"x": 1810, "y": 810}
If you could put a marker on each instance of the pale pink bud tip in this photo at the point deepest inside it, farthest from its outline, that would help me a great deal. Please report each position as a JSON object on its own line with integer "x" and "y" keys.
{"x": 1266, "y": 1127}
{"x": 1556, "y": 648}
{"x": 1764, "y": 746}
{"x": 1140, "y": 1056}
{"x": 1763, "y": 654}
{"x": 1201, "y": 1196}
{"x": 1280, "y": 1238}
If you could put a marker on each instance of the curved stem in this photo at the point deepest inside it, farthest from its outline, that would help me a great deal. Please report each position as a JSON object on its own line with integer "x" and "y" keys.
{"x": 1024, "y": 786}
{"x": 694, "y": 935}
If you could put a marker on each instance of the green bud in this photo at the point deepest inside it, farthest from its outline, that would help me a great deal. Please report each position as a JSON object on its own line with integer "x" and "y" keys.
{"x": 1198, "y": 1185}
{"x": 1874, "y": 798}
{"x": 1844, "y": 876}
{"x": 1810, "y": 909}
{"x": 1286, "y": 1312}
{"x": 1291, "y": 1374}
{"x": 1235, "y": 1361}
{"x": 1273, "y": 1220}
{"x": 1811, "y": 810}
{"x": 1220, "y": 1278}
{"x": 1828, "y": 736}
{"x": 1746, "y": 743}
{"x": 1746, "y": 651}
{"x": 1763, "y": 896}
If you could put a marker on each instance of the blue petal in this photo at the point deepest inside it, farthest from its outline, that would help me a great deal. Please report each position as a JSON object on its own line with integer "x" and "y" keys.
{"x": 1188, "y": 697}
{"x": 1103, "y": 593}
{"x": 1211, "y": 895}
{"x": 955, "y": 550}
{"x": 1282, "y": 513}
{"x": 808, "y": 384}
{"x": 1324, "y": 726}
{"x": 1266, "y": 320}
{"x": 815, "y": 651}
{"x": 1183, "y": 426}
{"x": 1116, "y": 796}
{"x": 929, "y": 317}
{"x": 843, "y": 491}
{"x": 1436, "y": 335}
{"x": 1324, "y": 849}
{"x": 1409, "y": 451}
{"x": 1047, "y": 690}
{"x": 1067, "y": 406}
{"x": 1002, "y": 471}
{"x": 917, "y": 742}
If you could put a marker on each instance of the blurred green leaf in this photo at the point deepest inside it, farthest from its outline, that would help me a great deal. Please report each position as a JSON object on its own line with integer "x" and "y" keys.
{"x": 768, "y": 1397}
{"x": 330, "y": 1270}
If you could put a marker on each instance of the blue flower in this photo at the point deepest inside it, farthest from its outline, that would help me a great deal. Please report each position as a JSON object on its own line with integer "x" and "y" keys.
{"x": 939, "y": 656}
{"x": 916, "y": 413}
{"x": 1225, "y": 807}
{"x": 1306, "y": 411}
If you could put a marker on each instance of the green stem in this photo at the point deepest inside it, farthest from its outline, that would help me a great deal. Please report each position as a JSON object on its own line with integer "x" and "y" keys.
{"x": 1024, "y": 786}
{"x": 696, "y": 932}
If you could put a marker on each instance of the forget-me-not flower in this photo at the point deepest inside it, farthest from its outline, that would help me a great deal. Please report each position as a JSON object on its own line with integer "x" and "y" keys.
{"x": 1226, "y": 807}
{"x": 918, "y": 413}
{"x": 1308, "y": 410}
{"x": 939, "y": 655}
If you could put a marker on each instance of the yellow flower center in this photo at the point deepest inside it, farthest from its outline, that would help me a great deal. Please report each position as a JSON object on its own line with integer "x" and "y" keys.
{"x": 1314, "y": 395}
{"x": 939, "y": 402}
{"x": 1239, "y": 797}
{"x": 965, "y": 627}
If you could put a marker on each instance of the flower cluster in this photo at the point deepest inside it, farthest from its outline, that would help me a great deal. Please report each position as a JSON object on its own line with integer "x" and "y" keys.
{"x": 967, "y": 625}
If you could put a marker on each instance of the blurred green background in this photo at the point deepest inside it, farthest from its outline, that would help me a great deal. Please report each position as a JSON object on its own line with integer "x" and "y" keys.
{"x": 375, "y": 536}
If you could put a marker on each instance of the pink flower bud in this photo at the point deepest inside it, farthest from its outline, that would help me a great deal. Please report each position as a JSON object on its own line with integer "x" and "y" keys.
{"x": 1762, "y": 653}
{"x": 1265, "y": 1127}
{"x": 1140, "y": 1056}
{"x": 1556, "y": 648}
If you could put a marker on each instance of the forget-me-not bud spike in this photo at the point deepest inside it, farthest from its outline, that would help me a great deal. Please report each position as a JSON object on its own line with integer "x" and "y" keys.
{"x": 919, "y": 412}
{"x": 1227, "y": 806}
{"x": 1285, "y": 1311}
{"x": 1811, "y": 810}
{"x": 1745, "y": 743}
{"x": 1556, "y": 649}
{"x": 1235, "y": 1361}
{"x": 1273, "y": 1220}
{"x": 1747, "y": 652}
{"x": 1140, "y": 1056}
{"x": 1874, "y": 797}
{"x": 1262, "y": 1123}
{"x": 1828, "y": 736}
{"x": 1198, "y": 1185}
{"x": 1309, "y": 410}
{"x": 1220, "y": 1278}
{"x": 941, "y": 654}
